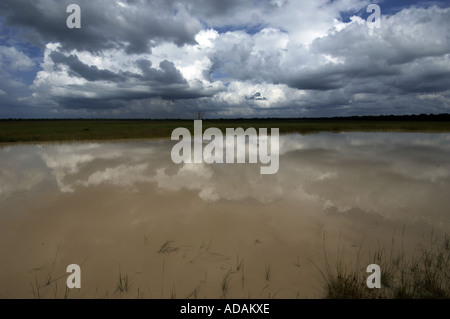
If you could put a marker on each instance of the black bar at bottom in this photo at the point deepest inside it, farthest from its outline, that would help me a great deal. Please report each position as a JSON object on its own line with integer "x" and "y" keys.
{"x": 221, "y": 308}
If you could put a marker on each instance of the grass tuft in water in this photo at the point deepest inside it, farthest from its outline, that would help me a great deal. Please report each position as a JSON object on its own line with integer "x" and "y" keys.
{"x": 423, "y": 274}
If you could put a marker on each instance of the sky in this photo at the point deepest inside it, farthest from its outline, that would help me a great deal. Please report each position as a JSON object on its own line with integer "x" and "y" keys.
{"x": 225, "y": 59}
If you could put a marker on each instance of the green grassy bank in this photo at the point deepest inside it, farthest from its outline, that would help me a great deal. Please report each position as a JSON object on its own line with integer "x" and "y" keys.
{"x": 80, "y": 130}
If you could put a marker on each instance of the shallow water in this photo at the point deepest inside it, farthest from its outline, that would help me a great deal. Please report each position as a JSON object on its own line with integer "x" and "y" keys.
{"x": 113, "y": 205}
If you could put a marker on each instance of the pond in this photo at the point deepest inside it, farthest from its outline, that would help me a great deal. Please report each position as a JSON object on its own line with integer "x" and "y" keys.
{"x": 141, "y": 226}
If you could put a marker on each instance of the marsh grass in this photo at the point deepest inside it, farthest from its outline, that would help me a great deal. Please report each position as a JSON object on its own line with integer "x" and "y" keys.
{"x": 173, "y": 293}
{"x": 268, "y": 272}
{"x": 242, "y": 276}
{"x": 49, "y": 277}
{"x": 422, "y": 274}
{"x": 66, "y": 293}
{"x": 193, "y": 294}
{"x": 35, "y": 289}
{"x": 225, "y": 284}
{"x": 123, "y": 284}
{"x": 49, "y": 287}
{"x": 140, "y": 294}
{"x": 239, "y": 263}
{"x": 165, "y": 249}
{"x": 267, "y": 277}
{"x": 421, "y": 271}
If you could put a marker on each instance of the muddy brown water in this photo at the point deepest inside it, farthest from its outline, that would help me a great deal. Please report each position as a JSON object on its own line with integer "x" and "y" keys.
{"x": 124, "y": 209}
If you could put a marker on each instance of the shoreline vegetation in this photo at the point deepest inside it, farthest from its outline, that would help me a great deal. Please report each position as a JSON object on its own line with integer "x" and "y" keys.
{"x": 421, "y": 273}
{"x": 418, "y": 274}
{"x": 60, "y": 130}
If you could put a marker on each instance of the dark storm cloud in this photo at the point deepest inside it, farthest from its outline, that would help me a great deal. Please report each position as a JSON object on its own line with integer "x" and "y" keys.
{"x": 322, "y": 81}
{"x": 236, "y": 14}
{"x": 90, "y": 73}
{"x": 104, "y": 89}
{"x": 429, "y": 75}
{"x": 105, "y": 24}
{"x": 121, "y": 98}
{"x": 167, "y": 74}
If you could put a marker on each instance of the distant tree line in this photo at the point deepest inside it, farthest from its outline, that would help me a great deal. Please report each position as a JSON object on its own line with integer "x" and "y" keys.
{"x": 392, "y": 118}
